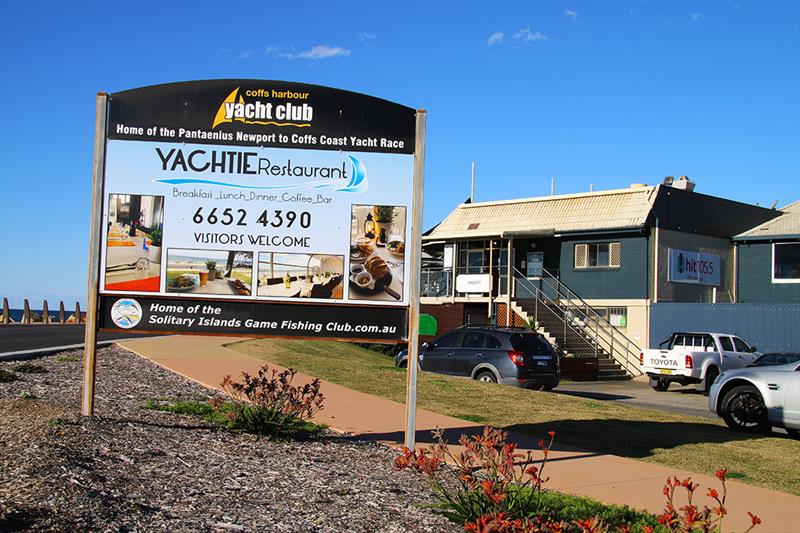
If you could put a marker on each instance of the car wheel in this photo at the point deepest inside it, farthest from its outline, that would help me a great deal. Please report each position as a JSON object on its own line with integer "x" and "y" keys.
{"x": 794, "y": 433}
{"x": 661, "y": 385}
{"x": 548, "y": 388}
{"x": 402, "y": 364}
{"x": 711, "y": 376}
{"x": 743, "y": 409}
{"x": 486, "y": 377}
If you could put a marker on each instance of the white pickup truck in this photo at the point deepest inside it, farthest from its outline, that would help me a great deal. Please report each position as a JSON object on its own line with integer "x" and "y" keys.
{"x": 695, "y": 358}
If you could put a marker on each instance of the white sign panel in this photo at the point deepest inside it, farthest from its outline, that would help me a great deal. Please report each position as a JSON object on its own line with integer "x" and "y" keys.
{"x": 474, "y": 283}
{"x": 694, "y": 267}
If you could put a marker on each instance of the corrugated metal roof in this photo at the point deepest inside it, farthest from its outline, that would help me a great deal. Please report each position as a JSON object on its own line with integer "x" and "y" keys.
{"x": 602, "y": 210}
{"x": 785, "y": 225}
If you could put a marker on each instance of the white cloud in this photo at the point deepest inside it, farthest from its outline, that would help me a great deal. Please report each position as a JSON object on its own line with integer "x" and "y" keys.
{"x": 320, "y": 51}
{"x": 695, "y": 17}
{"x": 571, "y": 14}
{"x": 270, "y": 49}
{"x": 526, "y": 36}
{"x": 496, "y": 38}
{"x": 366, "y": 37}
{"x": 244, "y": 55}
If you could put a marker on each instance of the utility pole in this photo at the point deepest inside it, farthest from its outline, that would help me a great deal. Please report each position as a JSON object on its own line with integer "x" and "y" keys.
{"x": 472, "y": 187}
{"x": 552, "y": 185}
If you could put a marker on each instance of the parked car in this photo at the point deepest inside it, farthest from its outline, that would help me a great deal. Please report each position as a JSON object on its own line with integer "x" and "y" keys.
{"x": 776, "y": 358}
{"x": 510, "y": 356}
{"x": 759, "y": 397}
{"x": 695, "y": 359}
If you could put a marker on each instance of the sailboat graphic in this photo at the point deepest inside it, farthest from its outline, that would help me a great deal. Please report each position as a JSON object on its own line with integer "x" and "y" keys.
{"x": 223, "y": 116}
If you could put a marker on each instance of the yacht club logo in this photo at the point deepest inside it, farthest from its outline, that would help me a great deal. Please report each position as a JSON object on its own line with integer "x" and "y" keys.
{"x": 264, "y": 113}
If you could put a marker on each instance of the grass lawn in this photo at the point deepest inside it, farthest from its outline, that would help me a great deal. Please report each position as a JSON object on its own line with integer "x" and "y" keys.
{"x": 680, "y": 441}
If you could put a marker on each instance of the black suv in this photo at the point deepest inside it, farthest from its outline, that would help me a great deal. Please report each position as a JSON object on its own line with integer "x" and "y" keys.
{"x": 510, "y": 356}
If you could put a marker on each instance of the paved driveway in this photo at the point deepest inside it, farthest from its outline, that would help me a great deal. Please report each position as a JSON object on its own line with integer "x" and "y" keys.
{"x": 678, "y": 399}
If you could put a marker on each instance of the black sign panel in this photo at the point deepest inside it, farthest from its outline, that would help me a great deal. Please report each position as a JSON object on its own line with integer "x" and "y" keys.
{"x": 262, "y": 113}
{"x": 256, "y": 319}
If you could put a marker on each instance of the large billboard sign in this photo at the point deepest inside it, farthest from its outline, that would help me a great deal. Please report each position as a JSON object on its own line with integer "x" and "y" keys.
{"x": 694, "y": 267}
{"x": 261, "y": 208}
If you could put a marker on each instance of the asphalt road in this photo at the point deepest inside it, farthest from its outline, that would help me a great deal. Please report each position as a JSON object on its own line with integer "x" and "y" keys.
{"x": 15, "y": 338}
{"x": 679, "y": 399}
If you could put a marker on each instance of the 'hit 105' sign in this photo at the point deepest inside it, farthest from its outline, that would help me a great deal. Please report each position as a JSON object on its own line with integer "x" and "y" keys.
{"x": 694, "y": 267}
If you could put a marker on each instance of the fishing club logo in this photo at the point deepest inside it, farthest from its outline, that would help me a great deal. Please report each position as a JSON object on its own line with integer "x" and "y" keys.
{"x": 253, "y": 110}
{"x": 126, "y": 313}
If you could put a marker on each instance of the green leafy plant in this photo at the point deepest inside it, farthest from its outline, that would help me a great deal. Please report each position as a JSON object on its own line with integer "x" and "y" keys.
{"x": 211, "y": 264}
{"x": 25, "y": 395}
{"x": 29, "y": 368}
{"x": 269, "y": 404}
{"x": 6, "y": 376}
{"x": 155, "y": 237}
{"x": 384, "y": 213}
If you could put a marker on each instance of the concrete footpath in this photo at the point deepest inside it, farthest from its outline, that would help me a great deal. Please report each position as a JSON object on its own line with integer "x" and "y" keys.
{"x": 607, "y": 478}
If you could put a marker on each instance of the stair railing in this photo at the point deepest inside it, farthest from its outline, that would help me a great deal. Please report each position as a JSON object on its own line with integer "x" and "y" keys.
{"x": 584, "y": 318}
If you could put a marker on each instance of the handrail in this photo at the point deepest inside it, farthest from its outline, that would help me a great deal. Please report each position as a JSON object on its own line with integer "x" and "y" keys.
{"x": 616, "y": 343}
{"x": 567, "y": 324}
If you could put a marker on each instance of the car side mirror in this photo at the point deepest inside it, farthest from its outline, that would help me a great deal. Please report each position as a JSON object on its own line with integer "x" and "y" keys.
{"x": 753, "y": 349}
{"x": 426, "y": 345}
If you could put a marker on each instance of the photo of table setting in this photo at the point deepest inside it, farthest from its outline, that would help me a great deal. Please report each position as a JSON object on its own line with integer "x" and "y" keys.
{"x": 300, "y": 275}
{"x": 377, "y": 253}
{"x": 223, "y": 273}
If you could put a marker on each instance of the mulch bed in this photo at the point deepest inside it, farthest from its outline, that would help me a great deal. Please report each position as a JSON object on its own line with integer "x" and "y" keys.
{"x": 131, "y": 469}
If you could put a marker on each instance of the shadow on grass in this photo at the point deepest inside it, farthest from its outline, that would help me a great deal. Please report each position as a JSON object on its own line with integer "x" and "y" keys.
{"x": 618, "y": 437}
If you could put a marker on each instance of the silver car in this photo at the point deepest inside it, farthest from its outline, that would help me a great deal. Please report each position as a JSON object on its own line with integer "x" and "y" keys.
{"x": 756, "y": 398}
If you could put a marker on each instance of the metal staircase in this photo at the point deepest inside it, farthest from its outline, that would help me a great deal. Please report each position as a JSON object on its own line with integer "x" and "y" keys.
{"x": 576, "y": 326}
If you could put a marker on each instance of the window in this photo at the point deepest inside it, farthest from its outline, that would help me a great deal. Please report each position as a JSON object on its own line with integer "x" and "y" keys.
{"x": 530, "y": 342}
{"x": 616, "y": 316}
{"x": 473, "y": 340}
{"x": 786, "y": 262}
{"x": 598, "y": 255}
{"x": 492, "y": 343}
{"x": 741, "y": 346}
{"x": 727, "y": 345}
{"x": 449, "y": 341}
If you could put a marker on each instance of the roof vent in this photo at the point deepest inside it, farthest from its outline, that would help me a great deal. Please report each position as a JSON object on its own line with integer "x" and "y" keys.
{"x": 638, "y": 185}
{"x": 684, "y": 183}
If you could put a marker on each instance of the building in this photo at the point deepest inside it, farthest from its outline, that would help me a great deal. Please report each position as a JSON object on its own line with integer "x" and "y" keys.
{"x": 768, "y": 259}
{"x": 587, "y": 267}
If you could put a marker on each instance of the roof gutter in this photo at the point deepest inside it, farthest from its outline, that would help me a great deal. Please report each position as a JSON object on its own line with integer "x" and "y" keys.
{"x": 748, "y": 238}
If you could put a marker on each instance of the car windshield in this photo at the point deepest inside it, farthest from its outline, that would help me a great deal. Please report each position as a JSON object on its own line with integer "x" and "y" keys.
{"x": 529, "y": 342}
{"x": 769, "y": 359}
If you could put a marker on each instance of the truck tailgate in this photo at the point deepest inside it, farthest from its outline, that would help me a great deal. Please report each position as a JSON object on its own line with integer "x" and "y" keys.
{"x": 662, "y": 361}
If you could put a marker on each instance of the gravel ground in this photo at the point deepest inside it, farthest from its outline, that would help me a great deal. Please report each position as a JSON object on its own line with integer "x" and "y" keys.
{"x": 131, "y": 469}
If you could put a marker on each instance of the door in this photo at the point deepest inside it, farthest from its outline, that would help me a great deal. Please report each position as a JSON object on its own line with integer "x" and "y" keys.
{"x": 463, "y": 359}
{"x": 436, "y": 358}
{"x": 791, "y": 398}
{"x": 744, "y": 351}
{"x": 728, "y": 357}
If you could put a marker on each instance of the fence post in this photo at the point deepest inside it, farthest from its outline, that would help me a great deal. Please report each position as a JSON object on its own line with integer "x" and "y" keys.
{"x": 26, "y": 312}
{"x": 5, "y": 311}
{"x": 61, "y": 312}
{"x": 77, "y": 312}
{"x": 45, "y": 313}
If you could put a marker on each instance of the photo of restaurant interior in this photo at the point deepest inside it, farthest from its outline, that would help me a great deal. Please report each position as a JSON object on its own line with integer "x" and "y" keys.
{"x": 300, "y": 275}
{"x": 133, "y": 242}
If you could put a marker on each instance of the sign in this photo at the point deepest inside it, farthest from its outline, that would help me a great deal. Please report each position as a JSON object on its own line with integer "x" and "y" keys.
{"x": 694, "y": 267}
{"x": 244, "y": 192}
{"x": 535, "y": 264}
{"x": 428, "y": 325}
{"x": 474, "y": 283}
{"x": 447, "y": 258}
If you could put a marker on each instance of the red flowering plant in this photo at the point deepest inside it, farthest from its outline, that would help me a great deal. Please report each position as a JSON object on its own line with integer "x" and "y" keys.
{"x": 490, "y": 477}
{"x": 269, "y": 404}
{"x": 690, "y": 518}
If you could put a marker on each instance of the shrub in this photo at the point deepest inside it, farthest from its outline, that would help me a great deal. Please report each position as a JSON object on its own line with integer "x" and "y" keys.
{"x": 7, "y": 376}
{"x": 268, "y": 403}
{"x": 29, "y": 368}
{"x": 67, "y": 358}
{"x": 498, "y": 490}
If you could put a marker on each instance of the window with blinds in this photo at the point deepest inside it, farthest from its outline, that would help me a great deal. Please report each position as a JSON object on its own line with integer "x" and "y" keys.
{"x": 598, "y": 255}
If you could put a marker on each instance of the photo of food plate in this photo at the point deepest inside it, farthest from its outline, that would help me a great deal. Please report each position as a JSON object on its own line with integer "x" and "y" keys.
{"x": 377, "y": 253}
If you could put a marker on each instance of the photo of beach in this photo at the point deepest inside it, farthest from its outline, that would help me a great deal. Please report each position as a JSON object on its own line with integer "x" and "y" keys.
{"x": 377, "y": 252}
{"x": 222, "y": 273}
{"x": 300, "y": 275}
{"x": 133, "y": 242}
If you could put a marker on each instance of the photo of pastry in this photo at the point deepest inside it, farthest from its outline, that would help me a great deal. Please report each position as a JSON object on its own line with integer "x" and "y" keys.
{"x": 300, "y": 275}
{"x": 133, "y": 242}
{"x": 377, "y": 253}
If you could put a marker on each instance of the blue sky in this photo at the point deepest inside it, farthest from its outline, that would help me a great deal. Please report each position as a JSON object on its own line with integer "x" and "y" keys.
{"x": 592, "y": 93}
